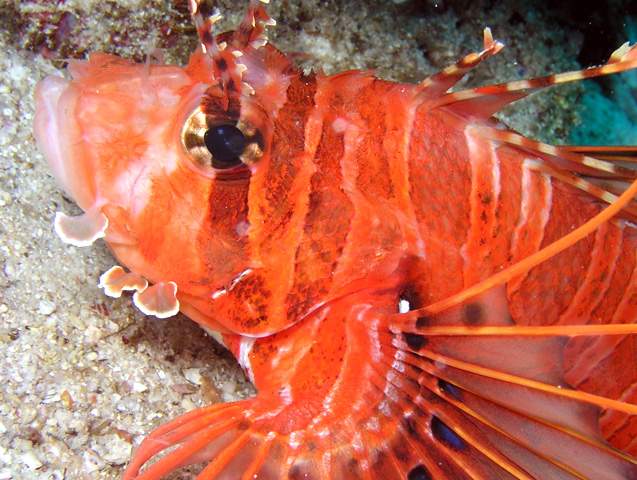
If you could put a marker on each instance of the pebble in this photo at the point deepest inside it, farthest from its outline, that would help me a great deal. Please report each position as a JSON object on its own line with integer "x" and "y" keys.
{"x": 193, "y": 375}
{"x": 92, "y": 335}
{"x": 113, "y": 449}
{"x": 139, "y": 387}
{"x": 46, "y": 307}
{"x": 31, "y": 461}
{"x": 5, "y": 198}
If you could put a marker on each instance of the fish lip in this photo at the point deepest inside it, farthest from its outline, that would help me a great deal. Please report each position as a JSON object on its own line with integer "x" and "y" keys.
{"x": 56, "y": 133}
{"x": 46, "y": 126}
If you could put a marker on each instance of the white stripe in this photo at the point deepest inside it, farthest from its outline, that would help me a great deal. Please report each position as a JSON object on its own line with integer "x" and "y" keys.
{"x": 528, "y": 202}
{"x": 245, "y": 347}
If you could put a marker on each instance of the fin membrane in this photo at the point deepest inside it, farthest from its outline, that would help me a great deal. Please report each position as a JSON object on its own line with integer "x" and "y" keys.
{"x": 403, "y": 402}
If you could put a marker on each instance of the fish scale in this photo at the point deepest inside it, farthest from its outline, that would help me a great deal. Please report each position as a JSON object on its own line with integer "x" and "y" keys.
{"x": 344, "y": 197}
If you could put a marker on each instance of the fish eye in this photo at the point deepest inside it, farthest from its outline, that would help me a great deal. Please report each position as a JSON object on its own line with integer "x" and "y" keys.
{"x": 220, "y": 142}
{"x": 226, "y": 143}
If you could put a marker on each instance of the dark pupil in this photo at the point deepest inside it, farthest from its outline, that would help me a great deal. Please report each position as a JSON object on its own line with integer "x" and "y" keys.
{"x": 226, "y": 143}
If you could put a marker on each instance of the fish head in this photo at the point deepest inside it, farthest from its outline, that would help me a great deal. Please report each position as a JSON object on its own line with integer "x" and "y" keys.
{"x": 161, "y": 159}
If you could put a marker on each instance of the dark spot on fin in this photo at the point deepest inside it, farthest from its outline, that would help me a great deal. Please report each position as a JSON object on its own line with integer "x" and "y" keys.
{"x": 401, "y": 451}
{"x": 410, "y": 423}
{"x": 448, "y": 388}
{"x": 243, "y": 425}
{"x": 303, "y": 471}
{"x": 445, "y": 435}
{"x": 422, "y": 322}
{"x": 419, "y": 473}
{"x": 415, "y": 341}
{"x": 379, "y": 460}
{"x": 490, "y": 307}
{"x": 473, "y": 313}
{"x": 208, "y": 38}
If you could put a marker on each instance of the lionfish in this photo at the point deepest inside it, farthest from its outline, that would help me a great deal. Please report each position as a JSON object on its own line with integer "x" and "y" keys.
{"x": 416, "y": 291}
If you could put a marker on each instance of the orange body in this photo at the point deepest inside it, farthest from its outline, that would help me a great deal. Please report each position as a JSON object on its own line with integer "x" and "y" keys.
{"x": 321, "y": 248}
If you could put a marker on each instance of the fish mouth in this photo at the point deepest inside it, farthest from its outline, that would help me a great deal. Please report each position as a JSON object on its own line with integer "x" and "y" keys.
{"x": 59, "y": 138}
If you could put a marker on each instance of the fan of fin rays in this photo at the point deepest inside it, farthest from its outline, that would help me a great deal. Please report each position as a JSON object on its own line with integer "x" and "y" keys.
{"x": 582, "y": 167}
{"x": 522, "y": 418}
{"x": 503, "y": 385}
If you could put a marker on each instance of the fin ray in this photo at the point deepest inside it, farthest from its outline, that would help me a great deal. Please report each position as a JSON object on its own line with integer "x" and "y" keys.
{"x": 484, "y": 102}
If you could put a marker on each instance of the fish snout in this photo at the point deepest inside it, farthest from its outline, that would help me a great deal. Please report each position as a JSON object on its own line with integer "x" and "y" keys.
{"x": 58, "y": 136}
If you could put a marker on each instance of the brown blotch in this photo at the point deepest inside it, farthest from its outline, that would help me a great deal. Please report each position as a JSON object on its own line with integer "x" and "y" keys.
{"x": 243, "y": 425}
{"x": 304, "y": 471}
{"x": 230, "y": 85}
{"x": 191, "y": 140}
{"x": 253, "y": 290}
{"x": 207, "y": 38}
{"x": 238, "y": 173}
{"x": 414, "y": 341}
{"x": 300, "y": 93}
{"x": 228, "y": 203}
{"x": 401, "y": 451}
{"x": 213, "y": 106}
{"x": 422, "y": 322}
{"x": 473, "y": 313}
{"x": 419, "y": 473}
{"x": 411, "y": 425}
